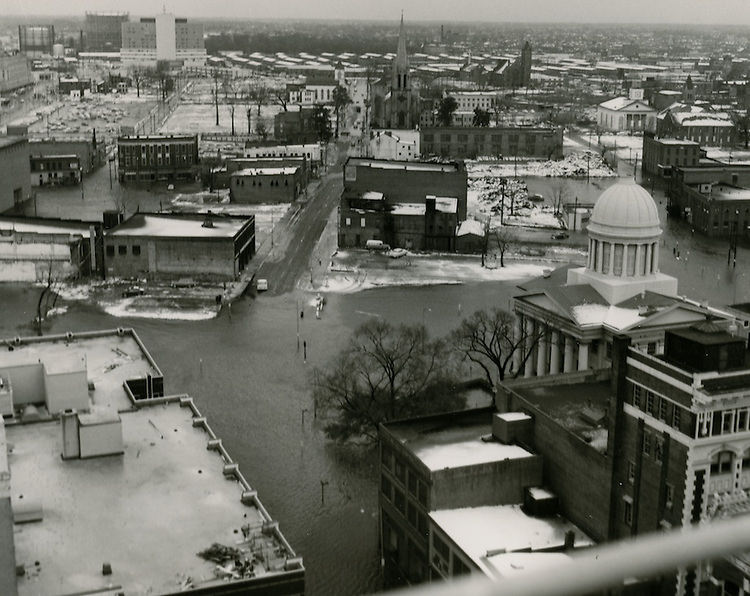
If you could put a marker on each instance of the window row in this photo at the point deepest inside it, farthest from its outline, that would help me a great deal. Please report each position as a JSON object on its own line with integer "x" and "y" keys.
{"x": 658, "y": 406}
{"x": 406, "y": 476}
{"x": 122, "y": 250}
{"x": 416, "y": 518}
{"x": 241, "y": 182}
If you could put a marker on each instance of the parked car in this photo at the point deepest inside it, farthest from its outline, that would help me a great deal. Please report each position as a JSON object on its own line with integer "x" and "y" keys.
{"x": 560, "y": 236}
{"x": 261, "y": 285}
{"x": 377, "y": 245}
{"x": 133, "y": 291}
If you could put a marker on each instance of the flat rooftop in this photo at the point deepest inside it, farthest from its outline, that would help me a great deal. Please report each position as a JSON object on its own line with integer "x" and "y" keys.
{"x": 41, "y": 226}
{"x": 147, "y": 512}
{"x": 178, "y": 226}
{"x": 411, "y": 166}
{"x": 282, "y": 171}
{"x": 727, "y": 192}
{"x": 576, "y": 406}
{"x": 110, "y": 360}
{"x": 484, "y": 532}
{"x": 6, "y": 141}
{"x": 454, "y": 440}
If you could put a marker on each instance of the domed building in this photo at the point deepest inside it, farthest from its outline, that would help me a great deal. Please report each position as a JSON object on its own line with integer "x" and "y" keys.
{"x": 624, "y": 231}
{"x": 565, "y": 320}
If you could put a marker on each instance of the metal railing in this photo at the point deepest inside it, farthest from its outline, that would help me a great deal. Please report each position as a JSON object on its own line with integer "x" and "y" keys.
{"x": 608, "y": 566}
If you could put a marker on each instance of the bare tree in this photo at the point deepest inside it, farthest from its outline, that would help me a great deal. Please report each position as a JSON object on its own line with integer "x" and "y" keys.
{"x": 487, "y": 338}
{"x": 383, "y": 374}
{"x": 560, "y": 195}
{"x": 138, "y": 79}
{"x": 261, "y": 130}
{"x": 504, "y": 238}
{"x": 281, "y": 98}
{"x": 47, "y": 299}
{"x": 259, "y": 95}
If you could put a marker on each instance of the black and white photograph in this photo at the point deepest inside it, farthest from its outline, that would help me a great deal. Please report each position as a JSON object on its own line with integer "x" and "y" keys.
{"x": 413, "y": 297}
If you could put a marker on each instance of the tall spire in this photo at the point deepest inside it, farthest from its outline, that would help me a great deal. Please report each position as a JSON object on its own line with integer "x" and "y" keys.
{"x": 401, "y": 62}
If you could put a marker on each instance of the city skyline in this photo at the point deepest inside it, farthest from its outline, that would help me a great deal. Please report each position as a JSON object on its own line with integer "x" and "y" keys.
{"x": 734, "y": 12}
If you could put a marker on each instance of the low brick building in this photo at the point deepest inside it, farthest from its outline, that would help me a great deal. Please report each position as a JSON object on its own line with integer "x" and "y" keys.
{"x": 265, "y": 185}
{"x": 172, "y": 246}
{"x": 90, "y": 154}
{"x": 470, "y": 142}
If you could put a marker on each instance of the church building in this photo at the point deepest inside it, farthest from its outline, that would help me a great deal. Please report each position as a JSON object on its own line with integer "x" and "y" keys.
{"x": 395, "y": 101}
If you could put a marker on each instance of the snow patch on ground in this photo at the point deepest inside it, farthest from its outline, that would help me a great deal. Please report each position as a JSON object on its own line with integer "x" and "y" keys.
{"x": 125, "y": 308}
{"x": 575, "y": 164}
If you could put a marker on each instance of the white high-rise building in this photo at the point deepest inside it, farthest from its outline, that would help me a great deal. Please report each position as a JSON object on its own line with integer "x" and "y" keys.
{"x": 162, "y": 38}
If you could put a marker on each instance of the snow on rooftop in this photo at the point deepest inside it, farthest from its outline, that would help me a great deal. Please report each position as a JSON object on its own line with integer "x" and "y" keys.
{"x": 178, "y": 227}
{"x": 408, "y": 209}
{"x": 284, "y": 171}
{"x": 540, "y": 493}
{"x": 42, "y": 227}
{"x": 483, "y": 531}
{"x": 470, "y": 226}
{"x": 468, "y": 452}
{"x": 514, "y": 416}
{"x": 600, "y": 314}
{"x": 507, "y": 564}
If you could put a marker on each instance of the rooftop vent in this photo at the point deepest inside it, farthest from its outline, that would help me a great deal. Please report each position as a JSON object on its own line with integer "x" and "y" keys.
{"x": 208, "y": 222}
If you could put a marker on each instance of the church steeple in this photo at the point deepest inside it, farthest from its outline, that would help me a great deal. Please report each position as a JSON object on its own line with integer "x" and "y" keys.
{"x": 401, "y": 62}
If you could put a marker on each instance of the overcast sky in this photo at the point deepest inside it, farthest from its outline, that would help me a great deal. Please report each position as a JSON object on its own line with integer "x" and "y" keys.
{"x": 735, "y": 12}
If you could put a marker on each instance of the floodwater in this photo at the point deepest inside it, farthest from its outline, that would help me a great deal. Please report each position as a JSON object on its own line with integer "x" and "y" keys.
{"x": 248, "y": 378}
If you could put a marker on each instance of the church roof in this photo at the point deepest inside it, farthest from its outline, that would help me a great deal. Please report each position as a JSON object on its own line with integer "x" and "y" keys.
{"x": 401, "y": 63}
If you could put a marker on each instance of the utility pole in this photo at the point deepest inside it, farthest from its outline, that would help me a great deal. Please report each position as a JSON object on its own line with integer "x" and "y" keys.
{"x": 635, "y": 168}
{"x": 502, "y": 202}
{"x": 575, "y": 214}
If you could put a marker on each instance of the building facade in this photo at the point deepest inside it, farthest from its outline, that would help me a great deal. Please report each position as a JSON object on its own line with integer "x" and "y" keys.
{"x": 54, "y": 170}
{"x": 394, "y": 144}
{"x": 161, "y": 246}
{"x": 471, "y": 142}
{"x": 35, "y": 41}
{"x": 295, "y": 127}
{"x": 702, "y": 124}
{"x": 14, "y": 72}
{"x": 162, "y": 38}
{"x": 90, "y": 154}
{"x": 661, "y": 156}
{"x": 15, "y": 172}
{"x": 102, "y": 32}
{"x": 265, "y": 184}
{"x": 395, "y": 100}
{"x": 157, "y": 157}
{"x": 625, "y": 114}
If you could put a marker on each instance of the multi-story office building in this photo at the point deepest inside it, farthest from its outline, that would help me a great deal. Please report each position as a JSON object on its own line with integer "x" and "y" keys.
{"x": 162, "y": 38}
{"x": 36, "y": 40}
{"x": 157, "y": 157}
{"x": 103, "y": 31}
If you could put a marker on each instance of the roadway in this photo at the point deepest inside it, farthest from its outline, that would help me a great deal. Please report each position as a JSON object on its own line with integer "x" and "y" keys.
{"x": 298, "y": 233}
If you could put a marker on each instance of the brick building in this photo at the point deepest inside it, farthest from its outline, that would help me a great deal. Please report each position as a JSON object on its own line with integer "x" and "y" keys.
{"x": 265, "y": 185}
{"x": 157, "y": 157}
{"x": 172, "y": 246}
{"x": 414, "y": 205}
{"x": 700, "y": 123}
{"x": 90, "y": 154}
{"x": 295, "y": 126}
{"x": 15, "y": 171}
{"x": 470, "y": 142}
{"x": 661, "y": 155}
{"x": 55, "y": 170}
{"x": 15, "y": 72}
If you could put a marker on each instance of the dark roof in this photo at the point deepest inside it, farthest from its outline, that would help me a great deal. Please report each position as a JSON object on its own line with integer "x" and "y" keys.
{"x": 555, "y": 278}
{"x": 569, "y": 296}
{"x": 706, "y": 334}
{"x": 8, "y": 141}
{"x": 648, "y": 299}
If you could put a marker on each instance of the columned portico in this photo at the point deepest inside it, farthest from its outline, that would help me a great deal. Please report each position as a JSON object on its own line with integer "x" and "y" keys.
{"x": 554, "y": 357}
{"x": 568, "y": 360}
{"x": 541, "y": 351}
{"x": 529, "y": 346}
{"x": 583, "y": 356}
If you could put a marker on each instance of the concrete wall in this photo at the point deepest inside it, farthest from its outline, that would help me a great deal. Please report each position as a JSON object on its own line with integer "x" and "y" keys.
{"x": 28, "y": 383}
{"x": 15, "y": 173}
{"x": 180, "y": 257}
{"x": 66, "y": 390}
{"x": 282, "y": 188}
{"x": 497, "y": 483}
{"x": 578, "y": 474}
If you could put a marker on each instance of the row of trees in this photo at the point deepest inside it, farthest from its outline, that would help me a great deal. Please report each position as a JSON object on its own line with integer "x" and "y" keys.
{"x": 390, "y": 372}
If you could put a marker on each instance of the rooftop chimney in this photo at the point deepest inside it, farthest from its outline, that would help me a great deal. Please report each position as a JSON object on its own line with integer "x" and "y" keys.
{"x": 208, "y": 222}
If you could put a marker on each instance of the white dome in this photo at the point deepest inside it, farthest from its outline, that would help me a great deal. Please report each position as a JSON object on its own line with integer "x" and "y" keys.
{"x": 625, "y": 211}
